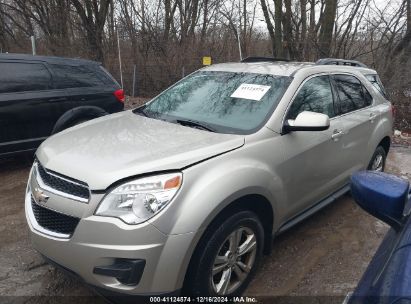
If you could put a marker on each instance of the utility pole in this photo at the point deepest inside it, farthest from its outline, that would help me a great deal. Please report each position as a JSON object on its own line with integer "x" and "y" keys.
{"x": 134, "y": 80}
{"x": 239, "y": 42}
{"x": 239, "y": 30}
{"x": 119, "y": 58}
{"x": 33, "y": 45}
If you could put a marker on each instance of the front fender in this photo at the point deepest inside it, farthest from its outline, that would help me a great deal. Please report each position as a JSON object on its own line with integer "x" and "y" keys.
{"x": 211, "y": 186}
{"x": 207, "y": 189}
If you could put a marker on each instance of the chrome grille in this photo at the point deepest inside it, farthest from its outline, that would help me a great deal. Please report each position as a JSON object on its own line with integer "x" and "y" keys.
{"x": 54, "y": 221}
{"x": 63, "y": 184}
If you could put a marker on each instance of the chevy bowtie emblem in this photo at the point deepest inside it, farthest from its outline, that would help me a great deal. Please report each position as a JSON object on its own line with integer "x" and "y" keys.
{"x": 39, "y": 196}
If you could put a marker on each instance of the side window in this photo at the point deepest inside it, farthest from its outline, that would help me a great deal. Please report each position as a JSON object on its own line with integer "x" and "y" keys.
{"x": 23, "y": 77}
{"x": 69, "y": 76}
{"x": 352, "y": 94}
{"x": 376, "y": 82}
{"x": 315, "y": 96}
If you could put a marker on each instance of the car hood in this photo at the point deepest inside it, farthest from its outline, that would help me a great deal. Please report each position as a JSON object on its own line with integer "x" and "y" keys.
{"x": 105, "y": 150}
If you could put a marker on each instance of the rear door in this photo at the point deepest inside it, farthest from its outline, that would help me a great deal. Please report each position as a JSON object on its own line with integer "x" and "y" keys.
{"x": 314, "y": 164}
{"x": 87, "y": 85}
{"x": 28, "y": 105}
{"x": 359, "y": 119}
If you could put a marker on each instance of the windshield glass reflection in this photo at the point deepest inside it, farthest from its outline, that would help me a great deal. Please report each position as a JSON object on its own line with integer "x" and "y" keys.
{"x": 223, "y": 102}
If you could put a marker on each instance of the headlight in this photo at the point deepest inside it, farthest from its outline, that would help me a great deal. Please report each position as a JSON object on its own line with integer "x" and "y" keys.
{"x": 137, "y": 201}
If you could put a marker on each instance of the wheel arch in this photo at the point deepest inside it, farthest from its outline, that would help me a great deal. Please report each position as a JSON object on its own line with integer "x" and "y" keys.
{"x": 75, "y": 114}
{"x": 256, "y": 203}
{"x": 385, "y": 143}
{"x": 380, "y": 136}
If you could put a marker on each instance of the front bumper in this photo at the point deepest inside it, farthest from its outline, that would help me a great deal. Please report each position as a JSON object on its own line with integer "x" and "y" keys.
{"x": 101, "y": 241}
{"x": 112, "y": 296}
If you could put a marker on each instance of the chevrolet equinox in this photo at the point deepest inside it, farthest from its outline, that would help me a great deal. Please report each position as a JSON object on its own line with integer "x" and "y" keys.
{"x": 184, "y": 194}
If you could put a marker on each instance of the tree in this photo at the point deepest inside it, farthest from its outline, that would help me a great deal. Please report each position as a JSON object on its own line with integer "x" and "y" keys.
{"x": 93, "y": 15}
{"x": 405, "y": 41}
{"x": 278, "y": 18}
{"x": 270, "y": 27}
{"x": 327, "y": 26}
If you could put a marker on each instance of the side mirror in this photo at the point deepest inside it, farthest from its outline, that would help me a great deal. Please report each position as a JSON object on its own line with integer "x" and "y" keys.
{"x": 382, "y": 195}
{"x": 308, "y": 121}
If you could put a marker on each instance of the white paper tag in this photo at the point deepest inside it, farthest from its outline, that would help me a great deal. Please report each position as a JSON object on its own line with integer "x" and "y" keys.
{"x": 251, "y": 91}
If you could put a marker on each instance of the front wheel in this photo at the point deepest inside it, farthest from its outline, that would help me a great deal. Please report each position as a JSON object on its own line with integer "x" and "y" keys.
{"x": 378, "y": 160}
{"x": 227, "y": 257}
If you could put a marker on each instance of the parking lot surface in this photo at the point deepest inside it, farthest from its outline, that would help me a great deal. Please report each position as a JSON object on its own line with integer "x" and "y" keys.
{"x": 323, "y": 256}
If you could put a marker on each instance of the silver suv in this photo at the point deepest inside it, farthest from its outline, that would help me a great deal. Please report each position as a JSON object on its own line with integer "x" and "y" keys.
{"x": 184, "y": 194}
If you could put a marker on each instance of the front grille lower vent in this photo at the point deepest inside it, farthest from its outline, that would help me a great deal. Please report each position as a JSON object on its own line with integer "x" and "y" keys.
{"x": 54, "y": 221}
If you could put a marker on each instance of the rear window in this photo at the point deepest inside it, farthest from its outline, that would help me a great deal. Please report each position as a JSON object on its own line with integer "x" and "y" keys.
{"x": 106, "y": 76}
{"x": 23, "y": 77}
{"x": 376, "y": 82}
{"x": 69, "y": 76}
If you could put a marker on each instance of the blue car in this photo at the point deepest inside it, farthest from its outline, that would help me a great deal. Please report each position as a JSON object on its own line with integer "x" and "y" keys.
{"x": 387, "y": 279}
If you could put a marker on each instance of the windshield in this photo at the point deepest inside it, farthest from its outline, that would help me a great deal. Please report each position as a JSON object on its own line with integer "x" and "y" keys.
{"x": 223, "y": 102}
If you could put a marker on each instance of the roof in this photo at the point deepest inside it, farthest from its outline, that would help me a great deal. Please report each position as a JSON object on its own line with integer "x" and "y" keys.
{"x": 48, "y": 59}
{"x": 282, "y": 68}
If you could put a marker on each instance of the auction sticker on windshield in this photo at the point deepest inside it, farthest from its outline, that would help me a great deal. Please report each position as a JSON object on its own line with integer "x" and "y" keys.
{"x": 251, "y": 91}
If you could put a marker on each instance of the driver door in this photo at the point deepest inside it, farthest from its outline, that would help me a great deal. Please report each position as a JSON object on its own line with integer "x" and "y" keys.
{"x": 313, "y": 166}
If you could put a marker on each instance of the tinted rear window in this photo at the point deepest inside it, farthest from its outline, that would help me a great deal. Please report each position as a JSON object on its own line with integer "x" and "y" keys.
{"x": 106, "y": 76}
{"x": 23, "y": 77}
{"x": 69, "y": 76}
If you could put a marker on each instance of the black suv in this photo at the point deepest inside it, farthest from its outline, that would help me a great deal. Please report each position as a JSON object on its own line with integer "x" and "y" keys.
{"x": 40, "y": 96}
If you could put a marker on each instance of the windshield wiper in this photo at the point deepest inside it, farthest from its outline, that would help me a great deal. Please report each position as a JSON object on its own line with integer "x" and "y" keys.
{"x": 195, "y": 124}
{"x": 141, "y": 111}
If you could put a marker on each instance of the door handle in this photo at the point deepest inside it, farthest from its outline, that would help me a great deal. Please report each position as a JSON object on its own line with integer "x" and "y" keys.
{"x": 58, "y": 99}
{"x": 337, "y": 134}
{"x": 372, "y": 117}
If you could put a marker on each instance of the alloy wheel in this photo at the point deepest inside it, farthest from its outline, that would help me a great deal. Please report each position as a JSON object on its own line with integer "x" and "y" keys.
{"x": 378, "y": 163}
{"x": 234, "y": 261}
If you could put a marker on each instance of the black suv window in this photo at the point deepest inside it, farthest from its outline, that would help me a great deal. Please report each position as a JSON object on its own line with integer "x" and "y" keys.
{"x": 69, "y": 76}
{"x": 352, "y": 94}
{"x": 315, "y": 96}
{"x": 23, "y": 77}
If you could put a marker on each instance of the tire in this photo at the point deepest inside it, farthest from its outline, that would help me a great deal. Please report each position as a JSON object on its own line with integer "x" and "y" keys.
{"x": 217, "y": 241}
{"x": 72, "y": 124}
{"x": 378, "y": 160}
{"x": 76, "y": 116}
{"x": 79, "y": 121}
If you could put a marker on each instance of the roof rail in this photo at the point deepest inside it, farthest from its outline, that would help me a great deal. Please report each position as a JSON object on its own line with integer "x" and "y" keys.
{"x": 335, "y": 61}
{"x": 263, "y": 59}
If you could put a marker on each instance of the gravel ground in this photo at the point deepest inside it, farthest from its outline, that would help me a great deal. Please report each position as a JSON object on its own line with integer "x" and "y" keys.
{"x": 323, "y": 256}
